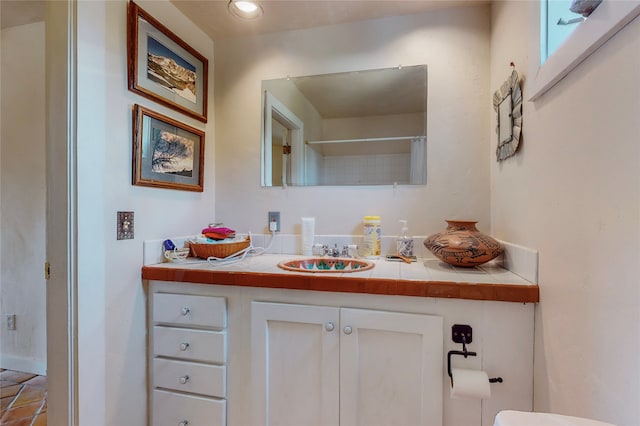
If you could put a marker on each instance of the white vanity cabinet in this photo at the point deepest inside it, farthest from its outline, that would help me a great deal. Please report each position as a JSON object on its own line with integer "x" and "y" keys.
{"x": 324, "y": 365}
{"x": 271, "y": 356}
{"x": 187, "y": 359}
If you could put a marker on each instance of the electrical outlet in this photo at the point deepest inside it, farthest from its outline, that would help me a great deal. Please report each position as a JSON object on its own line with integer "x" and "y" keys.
{"x": 125, "y": 226}
{"x": 274, "y": 218}
{"x": 11, "y": 321}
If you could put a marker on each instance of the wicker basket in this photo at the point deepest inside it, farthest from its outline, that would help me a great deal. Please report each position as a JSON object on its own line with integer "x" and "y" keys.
{"x": 219, "y": 250}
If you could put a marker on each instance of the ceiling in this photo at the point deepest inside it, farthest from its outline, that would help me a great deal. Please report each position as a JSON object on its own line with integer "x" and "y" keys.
{"x": 283, "y": 15}
{"x": 214, "y": 19}
{"x": 366, "y": 93}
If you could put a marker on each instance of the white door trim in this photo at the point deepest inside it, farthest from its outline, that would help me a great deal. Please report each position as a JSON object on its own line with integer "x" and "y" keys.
{"x": 273, "y": 108}
{"x": 61, "y": 235}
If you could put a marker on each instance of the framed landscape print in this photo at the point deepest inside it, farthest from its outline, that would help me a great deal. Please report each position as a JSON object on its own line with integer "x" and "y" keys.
{"x": 166, "y": 153}
{"x": 162, "y": 67}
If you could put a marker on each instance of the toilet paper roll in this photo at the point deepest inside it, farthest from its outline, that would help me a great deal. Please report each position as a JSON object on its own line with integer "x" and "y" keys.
{"x": 470, "y": 384}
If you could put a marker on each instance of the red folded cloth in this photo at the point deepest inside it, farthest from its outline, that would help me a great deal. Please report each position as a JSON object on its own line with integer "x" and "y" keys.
{"x": 219, "y": 231}
{"x": 215, "y": 236}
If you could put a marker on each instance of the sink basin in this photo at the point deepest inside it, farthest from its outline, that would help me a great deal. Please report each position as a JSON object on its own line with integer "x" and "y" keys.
{"x": 326, "y": 264}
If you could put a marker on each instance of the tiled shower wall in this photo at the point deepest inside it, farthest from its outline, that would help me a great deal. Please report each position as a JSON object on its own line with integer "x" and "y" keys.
{"x": 366, "y": 169}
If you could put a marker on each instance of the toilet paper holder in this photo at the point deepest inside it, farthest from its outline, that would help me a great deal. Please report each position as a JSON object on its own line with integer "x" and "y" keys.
{"x": 463, "y": 334}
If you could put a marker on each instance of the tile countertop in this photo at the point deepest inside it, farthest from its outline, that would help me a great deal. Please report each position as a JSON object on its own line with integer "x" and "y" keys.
{"x": 428, "y": 277}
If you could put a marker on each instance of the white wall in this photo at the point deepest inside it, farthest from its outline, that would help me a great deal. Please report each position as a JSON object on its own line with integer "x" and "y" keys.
{"x": 454, "y": 44}
{"x": 573, "y": 193}
{"x": 22, "y": 205}
{"x": 111, "y": 305}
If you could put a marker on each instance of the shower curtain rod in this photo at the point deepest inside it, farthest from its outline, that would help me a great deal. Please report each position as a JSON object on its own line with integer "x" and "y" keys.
{"x": 366, "y": 140}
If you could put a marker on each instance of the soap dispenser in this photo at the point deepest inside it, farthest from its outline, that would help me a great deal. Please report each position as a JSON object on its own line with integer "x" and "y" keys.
{"x": 404, "y": 244}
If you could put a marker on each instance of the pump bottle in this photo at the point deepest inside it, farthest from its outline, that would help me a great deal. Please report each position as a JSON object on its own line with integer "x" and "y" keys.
{"x": 404, "y": 244}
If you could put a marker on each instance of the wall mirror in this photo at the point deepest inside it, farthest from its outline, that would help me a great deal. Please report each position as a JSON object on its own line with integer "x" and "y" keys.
{"x": 352, "y": 128}
{"x": 505, "y": 121}
{"x": 507, "y": 102}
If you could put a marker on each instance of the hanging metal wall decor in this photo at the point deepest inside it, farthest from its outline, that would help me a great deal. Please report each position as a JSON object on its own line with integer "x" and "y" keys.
{"x": 507, "y": 102}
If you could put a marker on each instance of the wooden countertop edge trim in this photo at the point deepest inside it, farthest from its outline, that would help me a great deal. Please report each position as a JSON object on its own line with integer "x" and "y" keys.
{"x": 333, "y": 283}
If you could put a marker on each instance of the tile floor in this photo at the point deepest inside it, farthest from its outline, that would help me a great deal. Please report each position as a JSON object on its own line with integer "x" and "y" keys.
{"x": 23, "y": 399}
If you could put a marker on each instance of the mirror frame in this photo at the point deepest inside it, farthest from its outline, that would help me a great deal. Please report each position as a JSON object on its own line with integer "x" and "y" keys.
{"x": 509, "y": 121}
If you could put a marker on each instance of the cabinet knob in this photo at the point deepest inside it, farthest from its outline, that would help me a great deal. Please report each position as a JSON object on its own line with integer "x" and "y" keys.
{"x": 184, "y": 379}
{"x": 329, "y": 326}
{"x": 347, "y": 330}
{"x": 184, "y": 346}
{"x": 183, "y": 423}
{"x": 185, "y": 310}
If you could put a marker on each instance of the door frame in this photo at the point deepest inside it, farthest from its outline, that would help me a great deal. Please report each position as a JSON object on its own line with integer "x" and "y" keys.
{"x": 61, "y": 225}
{"x": 273, "y": 108}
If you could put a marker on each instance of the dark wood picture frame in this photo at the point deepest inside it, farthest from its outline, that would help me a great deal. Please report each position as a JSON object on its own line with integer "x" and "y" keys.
{"x": 166, "y": 153}
{"x": 164, "y": 68}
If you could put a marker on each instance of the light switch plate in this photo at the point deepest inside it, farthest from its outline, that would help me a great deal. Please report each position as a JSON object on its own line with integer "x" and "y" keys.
{"x": 11, "y": 321}
{"x": 125, "y": 226}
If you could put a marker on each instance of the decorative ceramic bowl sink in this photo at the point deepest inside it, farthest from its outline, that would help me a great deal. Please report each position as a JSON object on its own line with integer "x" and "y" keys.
{"x": 326, "y": 264}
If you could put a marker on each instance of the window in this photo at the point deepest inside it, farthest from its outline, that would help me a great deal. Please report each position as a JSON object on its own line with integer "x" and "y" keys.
{"x": 557, "y": 23}
{"x": 609, "y": 18}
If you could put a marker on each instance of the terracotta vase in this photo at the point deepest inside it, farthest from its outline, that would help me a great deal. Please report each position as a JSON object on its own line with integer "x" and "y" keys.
{"x": 461, "y": 244}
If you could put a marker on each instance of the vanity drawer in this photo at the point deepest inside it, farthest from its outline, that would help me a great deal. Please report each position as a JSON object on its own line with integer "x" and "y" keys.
{"x": 170, "y": 409}
{"x": 189, "y": 310}
{"x": 194, "y": 345}
{"x": 190, "y": 377}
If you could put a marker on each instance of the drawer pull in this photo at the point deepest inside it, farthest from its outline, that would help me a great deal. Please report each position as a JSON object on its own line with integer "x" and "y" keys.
{"x": 329, "y": 326}
{"x": 184, "y": 379}
{"x": 347, "y": 330}
{"x": 184, "y": 346}
{"x": 183, "y": 423}
{"x": 185, "y": 310}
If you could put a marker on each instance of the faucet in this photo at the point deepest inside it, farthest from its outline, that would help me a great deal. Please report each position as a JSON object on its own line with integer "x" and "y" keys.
{"x": 335, "y": 251}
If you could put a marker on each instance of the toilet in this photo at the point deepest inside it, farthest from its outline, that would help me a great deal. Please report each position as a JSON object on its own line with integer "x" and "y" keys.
{"x": 524, "y": 418}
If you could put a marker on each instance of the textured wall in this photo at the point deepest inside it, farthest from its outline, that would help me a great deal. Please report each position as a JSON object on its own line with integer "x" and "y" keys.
{"x": 22, "y": 205}
{"x": 111, "y": 304}
{"x": 453, "y": 43}
{"x": 573, "y": 193}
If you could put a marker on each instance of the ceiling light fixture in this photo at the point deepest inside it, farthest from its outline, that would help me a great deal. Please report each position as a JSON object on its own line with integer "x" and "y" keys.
{"x": 245, "y": 9}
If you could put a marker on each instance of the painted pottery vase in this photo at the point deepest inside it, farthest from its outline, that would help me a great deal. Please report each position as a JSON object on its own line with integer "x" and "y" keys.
{"x": 461, "y": 244}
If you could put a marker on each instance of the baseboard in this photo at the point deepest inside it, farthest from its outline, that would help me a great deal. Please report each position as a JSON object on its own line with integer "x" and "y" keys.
{"x": 23, "y": 364}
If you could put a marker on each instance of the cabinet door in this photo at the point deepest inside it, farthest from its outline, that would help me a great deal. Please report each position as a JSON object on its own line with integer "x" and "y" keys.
{"x": 391, "y": 368}
{"x": 295, "y": 355}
